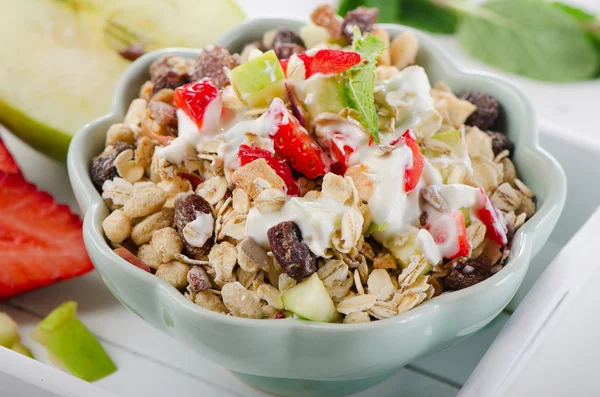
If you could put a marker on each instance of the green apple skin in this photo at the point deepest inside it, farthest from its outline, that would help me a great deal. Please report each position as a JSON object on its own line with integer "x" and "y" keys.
{"x": 328, "y": 96}
{"x": 71, "y": 344}
{"x": 22, "y": 349}
{"x": 50, "y": 141}
{"x": 255, "y": 83}
{"x": 310, "y": 299}
{"x": 8, "y": 331}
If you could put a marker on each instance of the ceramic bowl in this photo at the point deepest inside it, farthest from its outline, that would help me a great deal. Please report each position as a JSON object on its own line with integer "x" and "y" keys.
{"x": 293, "y": 357}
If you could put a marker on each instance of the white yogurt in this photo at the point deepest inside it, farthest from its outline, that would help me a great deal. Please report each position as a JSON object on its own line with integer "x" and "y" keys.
{"x": 198, "y": 231}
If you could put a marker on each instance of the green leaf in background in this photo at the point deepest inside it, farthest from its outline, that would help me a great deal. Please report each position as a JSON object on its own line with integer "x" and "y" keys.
{"x": 429, "y": 15}
{"x": 531, "y": 38}
{"x": 359, "y": 81}
{"x": 388, "y": 9}
{"x": 588, "y": 21}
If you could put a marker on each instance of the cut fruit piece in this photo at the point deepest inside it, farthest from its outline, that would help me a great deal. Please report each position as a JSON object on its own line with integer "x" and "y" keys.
{"x": 22, "y": 349}
{"x": 467, "y": 215}
{"x": 450, "y": 234}
{"x": 413, "y": 173}
{"x": 416, "y": 242}
{"x": 8, "y": 331}
{"x": 62, "y": 63}
{"x": 72, "y": 345}
{"x": 326, "y": 62}
{"x": 134, "y": 260}
{"x": 259, "y": 80}
{"x": 7, "y": 162}
{"x": 325, "y": 94}
{"x": 310, "y": 299}
{"x": 492, "y": 218}
{"x": 194, "y": 100}
{"x": 247, "y": 154}
{"x": 40, "y": 241}
{"x": 294, "y": 144}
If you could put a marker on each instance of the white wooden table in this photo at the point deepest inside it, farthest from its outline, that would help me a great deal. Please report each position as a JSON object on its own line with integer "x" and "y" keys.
{"x": 153, "y": 364}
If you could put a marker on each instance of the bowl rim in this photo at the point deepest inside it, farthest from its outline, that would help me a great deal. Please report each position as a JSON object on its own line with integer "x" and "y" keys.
{"x": 522, "y": 243}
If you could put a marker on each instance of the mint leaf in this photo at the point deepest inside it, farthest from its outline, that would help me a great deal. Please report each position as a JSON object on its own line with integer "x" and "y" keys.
{"x": 587, "y": 21}
{"x": 531, "y": 38}
{"x": 359, "y": 81}
{"x": 429, "y": 15}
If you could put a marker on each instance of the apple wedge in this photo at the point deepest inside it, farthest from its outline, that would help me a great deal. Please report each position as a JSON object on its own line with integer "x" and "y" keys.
{"x": 61, "y": 61}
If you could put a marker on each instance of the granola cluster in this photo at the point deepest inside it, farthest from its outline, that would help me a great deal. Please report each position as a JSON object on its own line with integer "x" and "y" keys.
{"x": 188, "y": 220}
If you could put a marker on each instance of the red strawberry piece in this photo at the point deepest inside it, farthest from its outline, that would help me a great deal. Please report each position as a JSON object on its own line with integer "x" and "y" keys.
{"x": 194, "y": 98}
{"x": 134, "y": 260}
{"x": 40, "y": 241}
{"x": 293, "y": 143}
{"x": 493, "y": 220}
{"x": 450, "y": 234}
{"x": 247, "y": 154}
{"x": 7, "y": 163}
{"x": 194, "y": 179}
{"x": 413, "y": 173}
{"x": 325, "y": 62}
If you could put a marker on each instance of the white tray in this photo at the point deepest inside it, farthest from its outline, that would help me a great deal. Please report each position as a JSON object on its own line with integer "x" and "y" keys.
{"x": 153, "y": 364}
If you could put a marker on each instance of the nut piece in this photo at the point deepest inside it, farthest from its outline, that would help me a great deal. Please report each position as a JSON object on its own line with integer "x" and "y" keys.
{"x": 170, "y": 71}
{"x": 256, "y": 176}
{"x": 364, "y": 18}
{"x": 142, "y": 232}
{"x": 385, "y": 58}
{"x": 175, "y": 273}
{"x": 326, "y": 17}
{"x": 127, "y": 167}
{"x": 210, "y": 301}
{"x": 468, "y": 272}
{"x": 120, "y": 132}
{"x": 117, "y": 227}
{"x": 385, "y": 261}
{"x": 148, "y": 256}
{"x": 186, "y": 206}
{"x": 271, "y": 295}
{"x": 240, "y": 301}
{"x": 147, "y": 198}
{"x": 252, "y": 256}
{"x": 270, "y": 200}
{"x": 103, "y": 168}
{"x": 223, "y": 257}
{"x": 404, "y": 50}
{"x": 291, "y": 253}
{"x": 166, "y": 243}
{"x": 211, "y": 63}
{"x": 198, "y": 279}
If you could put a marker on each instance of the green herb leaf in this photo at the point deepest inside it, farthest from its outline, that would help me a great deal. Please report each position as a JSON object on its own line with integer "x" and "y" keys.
{"x": 587, "y": 21}
{"x": 359, "y": 81}
{"x": 531, "y": 38}
{"x": 433, "y": 16}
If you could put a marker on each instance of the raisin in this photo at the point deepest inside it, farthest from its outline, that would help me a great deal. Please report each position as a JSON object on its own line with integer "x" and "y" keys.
{"x": 500, "y": 142}
{"x": 165, "y": 117}
{"x": 297, "y": 107}
{"x": 364, "y": 18}
{"x": 487, "y": 112}
{"x": 103, "y": 168}
{"x": 132, "y": 52}
{"x": 293, "y": 255}
{"x": 468, "y": 272}
{"x": 286, "y": 36}
{"x": 185, "y": 208}
{"x": 198, "y": 279}
{"x": 211, "y": 63}
{"x": 170, "y": 71}
{"x": 286, "y": 50}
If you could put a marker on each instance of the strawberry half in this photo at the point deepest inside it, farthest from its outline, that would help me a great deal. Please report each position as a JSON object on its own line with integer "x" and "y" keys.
{"x": 7, "y": 163}
{"x": 247, "y": 154}
{"x": 40, "y": 241}
{"x": 414, "y": 172}
{"x": 293, "y": 143}
{"x": 493, "y": 220}
{"x": 194, "y": 99}
{"x": 450, "y": 234}
{"x": 326, "y": 62}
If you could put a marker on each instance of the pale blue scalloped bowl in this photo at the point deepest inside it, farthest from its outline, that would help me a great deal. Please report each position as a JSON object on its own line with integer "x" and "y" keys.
{"x": 293, "y": 357}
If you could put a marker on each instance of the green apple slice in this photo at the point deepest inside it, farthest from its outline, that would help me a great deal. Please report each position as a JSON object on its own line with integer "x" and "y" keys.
{"x": 323, "y": 94}
{"x": 71, "y": 345}
{"x": 61, "y": 59}
{"x": 309, "y": 299}
{"x": 22, "y": 349}
{"x": 8, "y": 331}
{"x": 259, "y": 80}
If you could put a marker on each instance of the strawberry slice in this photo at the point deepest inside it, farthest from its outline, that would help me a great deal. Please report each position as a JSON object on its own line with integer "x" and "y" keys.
{"x": 247, "y": 154}
{"x": 134, "y": 260}
{"x": 293, "y": 143}
{"x": 326, "y": 62}
{"x": 492, "y": 218}
{"x": 40, "y": 241}
{"x": 7, "y": 163}
{"x": 414, "y": 172}
{"x": 194, "y": 99}
{"x": 450, "y": 234}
